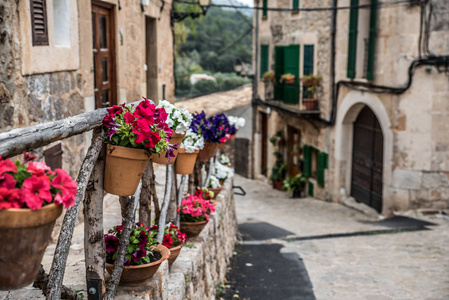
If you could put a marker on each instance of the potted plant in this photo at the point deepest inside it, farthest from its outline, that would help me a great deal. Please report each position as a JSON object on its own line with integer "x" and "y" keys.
{"x": 31, "y": 199}
{"x": 174, "y": 239}
{"x": 288, "y": 78}
{"x": 268, "y": 76}
{"x": 194, "y": 213}
{"x": 279, "y": 169}
{"x": 214, "y": 186}
{"x": 222, "y": 172}
{"x": 224, "y": 160}
{"x": 133, "y": 135}
{"x": 224, "y": 129}
{"x": 205, "y": 194}
{"x": 190, "y": 147}
{"x": 311, "y": 83}
{"x": 143, "y": 257}
{"x": 178, "y": 120}
{"x": 295, "y": 185}
{"x": 202, "y": 126}
{"x": 237, "y": 122}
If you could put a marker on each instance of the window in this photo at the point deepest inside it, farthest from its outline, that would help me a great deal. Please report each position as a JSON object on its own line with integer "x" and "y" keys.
{"x": 39, "y": 28}
{"x": 264, "y": 59}
{"x": 361, "y": 40}
{"x": 286, "y": 61}
{"x": 307, "y": 67}
{"x": 315, "y": 162}
{"x": 295, "y": 5}
{"x": 61, "y": 24}
{"x": 265, "y": 8}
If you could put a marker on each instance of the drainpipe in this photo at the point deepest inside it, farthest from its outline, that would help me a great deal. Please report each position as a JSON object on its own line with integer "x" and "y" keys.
{"x": 253, "y": 102}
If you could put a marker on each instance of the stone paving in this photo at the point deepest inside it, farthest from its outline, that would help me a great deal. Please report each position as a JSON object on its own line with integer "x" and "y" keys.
{"x": 401, "y": 265}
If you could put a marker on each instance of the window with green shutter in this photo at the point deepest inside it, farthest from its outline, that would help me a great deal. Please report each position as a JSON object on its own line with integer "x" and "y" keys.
{"x": 291, "y": 65}
{"x": 311, "y": 189}
{"x": 264, "y": 8}
{"x": 278, "y": 71}
{"x": 263, "y": 59}
{"x": 352, "y": 38}
{"x": 371, "y": 41}
{"x": 307, "y": 156}
{"x": 295, "y": 4}
{"x": 308, "y": 59}
{"x": 322, "y": 165}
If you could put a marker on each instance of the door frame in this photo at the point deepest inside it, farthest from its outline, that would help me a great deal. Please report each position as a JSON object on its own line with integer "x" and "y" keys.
{"x": 113, "y": 51}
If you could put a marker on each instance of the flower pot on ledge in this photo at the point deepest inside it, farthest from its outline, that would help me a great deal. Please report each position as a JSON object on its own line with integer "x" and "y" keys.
{"x": 311, "y": 104}
{"x": 207, "y": 152}
{"x": 193, "y": 229}
{"x": 174, "y": 253}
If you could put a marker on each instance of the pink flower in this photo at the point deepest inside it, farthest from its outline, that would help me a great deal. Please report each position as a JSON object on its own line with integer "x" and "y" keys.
{"x": 66, "y": 188}
{"x": 197, "y": 212}
{"x": 28, "y": 156}
{"x": 38, "y": 168}
{"x": 223, "y": 140}
{"x": 7, "y": 166}
{"x": 9, "y": 195}
{"x": 186, "y": 210}
{"x": 35, "y": 191}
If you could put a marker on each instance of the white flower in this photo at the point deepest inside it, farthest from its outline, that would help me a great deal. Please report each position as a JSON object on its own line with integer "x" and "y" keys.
{"x": 178, "y": 119}
{"x": 224, "y": 159}
{"x": 214, "y": 182}
{"x": 192, "y": 141}
{"x": 236, "y": 121}
{"x": 222, "y": 172}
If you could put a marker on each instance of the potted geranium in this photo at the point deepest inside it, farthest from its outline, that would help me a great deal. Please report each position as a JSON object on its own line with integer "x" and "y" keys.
{"x": 133, "y": 135}
{"x": 174, "y": 239}
{"x": 205, "y": 194}
{"x": 288, "y": 78}
{"x": 237, "y": 122}
{"x": 31, "y": 199}
{"x": 190, "y": 147}
{"x": 295, "y": 185}
{"x": 143, "y": 257}
{"x": 194, "y": 213}
{"x": 178, "y": 120}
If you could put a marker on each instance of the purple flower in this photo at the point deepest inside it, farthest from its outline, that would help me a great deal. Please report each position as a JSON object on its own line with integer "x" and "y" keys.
{"x": 170, "y": 151}
{"x": 143, "y": 239}
{"x": 111, "y": 243}
{"x": 127, "y": 262}
{"x": 138, "y": 254}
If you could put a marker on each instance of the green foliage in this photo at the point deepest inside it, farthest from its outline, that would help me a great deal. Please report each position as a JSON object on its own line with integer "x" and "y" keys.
{"x": 279, "y": 169}
{"x": 295, "y": 183}
{"x": 203, "y": 87}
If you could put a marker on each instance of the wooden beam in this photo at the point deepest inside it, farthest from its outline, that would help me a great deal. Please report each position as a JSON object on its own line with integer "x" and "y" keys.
{"x": 145, "y": 196}
{"x": 168, "y": 183}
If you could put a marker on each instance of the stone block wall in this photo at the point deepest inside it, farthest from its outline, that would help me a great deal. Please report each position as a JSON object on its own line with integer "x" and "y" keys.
{"x": 201, "y": 264}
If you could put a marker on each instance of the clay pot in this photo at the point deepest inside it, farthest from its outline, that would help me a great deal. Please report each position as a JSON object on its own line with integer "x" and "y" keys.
{"x": 207, "y": 152}
{"x": 186, "y": 161}
{"x": 24, "y": 236}
{"x": 221, "y": 146}
{"x": 124, "y": 168}
{"x": 192, "y": 229}
{"x": 216, "y": 191}
{"x": 290, "y": 80}
{"x": 136, "y": 275}
{"x": 311, "y": 104}
{"x": 174, "y": 252}
{"x": 161, "y": 159}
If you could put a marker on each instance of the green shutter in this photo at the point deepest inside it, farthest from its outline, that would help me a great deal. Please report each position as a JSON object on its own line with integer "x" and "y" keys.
{"x": 307, "y": 161}
{"x": 308, "y": 60}
{"x": 311, "y": 189}
{"x": 321, "y": 166}
{"x": 263, "y": 59}
{"x": 372, "y": 40}
{"x": 291, "y": 65}
{"x": 295, "y": 4}
{"x": 264, "y": 10}
{"x": 278, "y": 71}
{"x": 352, "y": 43}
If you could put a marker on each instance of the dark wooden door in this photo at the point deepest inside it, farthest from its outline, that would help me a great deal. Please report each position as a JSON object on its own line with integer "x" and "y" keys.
{"x": 367, "y": 160}
{"x": 104, "y": 56}
{"x": 294, "y": 148}
{"x": 264, "y": 140}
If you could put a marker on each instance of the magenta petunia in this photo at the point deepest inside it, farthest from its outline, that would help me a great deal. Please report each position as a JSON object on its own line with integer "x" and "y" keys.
{"x": 35, "y": 190}
{"x": 111, "y": 243}
{"x": 67, "y": 188}
{"x": 7, "y": 166}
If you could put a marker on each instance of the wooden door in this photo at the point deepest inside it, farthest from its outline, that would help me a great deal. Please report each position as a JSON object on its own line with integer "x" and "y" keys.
{"x": 367, "y": 160}
{"x": 104, "y": 56}
{"x": 294, "y": 151}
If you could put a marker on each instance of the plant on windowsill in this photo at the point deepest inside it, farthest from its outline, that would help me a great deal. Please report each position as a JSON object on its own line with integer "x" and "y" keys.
{"x": 279, "y": 169}
{"x": 288, "y": 78}
{"x": 268, "y": 76}
{"x": 311, "y": 83}
{"x": 295, "y": 185}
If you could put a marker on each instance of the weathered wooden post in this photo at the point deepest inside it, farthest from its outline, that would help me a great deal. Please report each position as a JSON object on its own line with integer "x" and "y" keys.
{"x": 145, "y": 196}
{"x": 168, "y": 183}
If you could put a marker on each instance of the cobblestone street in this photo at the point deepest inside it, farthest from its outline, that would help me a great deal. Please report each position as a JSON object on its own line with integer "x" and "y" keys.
{"x": 345, "y": 257}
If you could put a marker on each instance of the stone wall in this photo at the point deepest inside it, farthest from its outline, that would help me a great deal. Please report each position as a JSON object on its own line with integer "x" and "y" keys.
{"x": 201, "y": 264}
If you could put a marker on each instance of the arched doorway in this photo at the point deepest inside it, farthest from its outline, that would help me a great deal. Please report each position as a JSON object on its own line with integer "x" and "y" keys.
{"x": 367, "y": 160}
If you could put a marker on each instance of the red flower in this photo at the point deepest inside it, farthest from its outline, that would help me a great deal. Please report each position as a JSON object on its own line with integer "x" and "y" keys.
{"x": 9, "y": 195}
{"x": 7, "y": 166}
{"x": 167, "y": 241}
{"x": 115, "y": 110}
{"x": 67, "y": 188}
{"x": 35, "y": 191}
{"x": 111, "y": 243}
{"x": 38, "y": 169}
{"x": 119, "y": 228}
{"x": 182, "y": 237}
{"x": 129, "y": 118}
{"x": 28, "y": 156}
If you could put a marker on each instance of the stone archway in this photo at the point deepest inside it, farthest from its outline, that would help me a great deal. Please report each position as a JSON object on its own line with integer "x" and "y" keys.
{"x": 349, "y": 109}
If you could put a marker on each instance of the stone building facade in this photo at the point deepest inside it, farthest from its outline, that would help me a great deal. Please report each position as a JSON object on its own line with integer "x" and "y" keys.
{"x": 59, "y": 58}
{"x": 379, "y": 132}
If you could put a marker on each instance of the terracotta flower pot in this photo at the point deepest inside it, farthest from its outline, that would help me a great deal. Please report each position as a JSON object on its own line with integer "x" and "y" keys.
{"x": 24, "y": 236}
{"x": 234, "y": 135}
{"x": 174, "y": 252}
{"x": 124, "y": 168}
{"x": 311, "y": 104}
{"x": 186, "y": 161}
{"x": 135, "y": 275}
{"x": 290, "y": 80}
{"x": 161, "y": 159}
{"x": 216, "y": 191}
{"x": 192, "y": 229}
{"x": 207, "y": 152}
{"x": 222, "y": 145}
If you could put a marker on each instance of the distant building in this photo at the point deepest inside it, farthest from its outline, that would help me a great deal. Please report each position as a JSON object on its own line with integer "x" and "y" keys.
{"x": 64, "y": 57}
{"x": 378, "y": 131}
